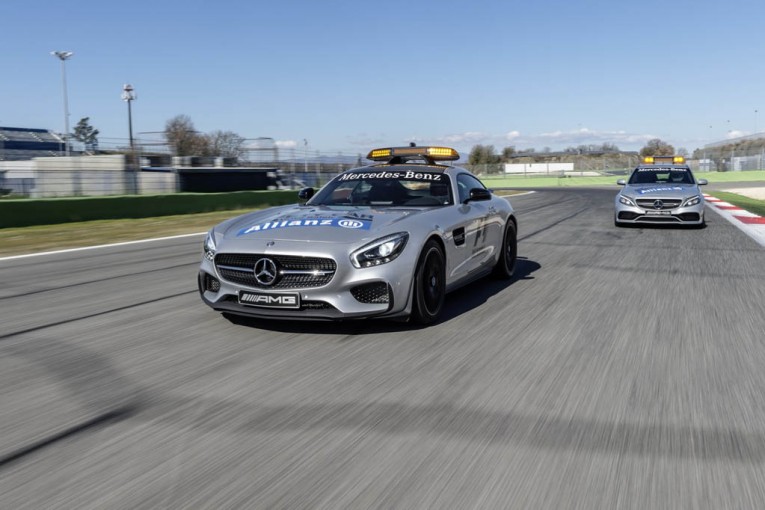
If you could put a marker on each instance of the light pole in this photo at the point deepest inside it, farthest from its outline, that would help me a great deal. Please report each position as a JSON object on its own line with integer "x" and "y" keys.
{"x": 756, "y": 127}
{"x": 305, "y": 157}
{"x": 63, "y": 56}
{"x": 128, "y": 96}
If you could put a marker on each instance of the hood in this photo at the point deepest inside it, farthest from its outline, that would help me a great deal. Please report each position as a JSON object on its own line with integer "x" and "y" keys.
{"x": 663, "y": 190}
{"x": 316, "y": 223}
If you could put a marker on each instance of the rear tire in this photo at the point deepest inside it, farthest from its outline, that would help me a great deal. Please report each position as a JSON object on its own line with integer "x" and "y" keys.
{"x": 509, "y": 253}
{"x": 429, "y": 291}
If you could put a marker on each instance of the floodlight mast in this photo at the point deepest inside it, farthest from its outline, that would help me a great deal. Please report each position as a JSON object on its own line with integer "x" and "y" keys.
{"x": 128, "y": 96}
{"x": 64, "y": 56}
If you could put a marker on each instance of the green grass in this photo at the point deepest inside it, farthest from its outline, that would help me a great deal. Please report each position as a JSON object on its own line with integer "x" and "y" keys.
{"x": 750, "y": 204}
{"x": 19, "y": 241}
{"x": 24, "y": 240}
{"x": 555, "y": 181}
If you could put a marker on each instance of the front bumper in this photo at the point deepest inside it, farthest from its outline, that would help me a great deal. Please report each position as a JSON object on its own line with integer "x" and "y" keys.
{"x": 379, "y": 291}
{"x": 693, "y": 215}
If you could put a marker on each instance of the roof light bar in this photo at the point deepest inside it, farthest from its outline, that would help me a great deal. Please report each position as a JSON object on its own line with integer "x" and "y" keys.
{"x": 676, "y": 160}
{"x": 434, "y": 153}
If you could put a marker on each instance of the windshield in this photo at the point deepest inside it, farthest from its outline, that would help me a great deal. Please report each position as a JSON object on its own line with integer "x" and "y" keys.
{"x": 371, "y": 187}
{"x": 661, "y": 175}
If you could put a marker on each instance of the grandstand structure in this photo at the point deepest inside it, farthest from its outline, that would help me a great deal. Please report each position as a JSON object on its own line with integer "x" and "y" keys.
{"x": 21, "y": 144}
{"x": 735, "y": 154}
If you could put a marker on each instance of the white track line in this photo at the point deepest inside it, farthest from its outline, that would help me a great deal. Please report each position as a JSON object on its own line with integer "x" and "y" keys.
{"x": 126, "y": 243}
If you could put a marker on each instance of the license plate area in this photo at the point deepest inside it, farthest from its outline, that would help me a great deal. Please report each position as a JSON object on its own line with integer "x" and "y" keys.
{"x": 658, "y": 213}
{"x": 288, "y": 301}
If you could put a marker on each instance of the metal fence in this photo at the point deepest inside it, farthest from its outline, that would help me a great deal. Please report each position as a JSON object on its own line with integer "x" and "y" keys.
{"x": 732, "y": 158}
{"x": 100, "y": 175}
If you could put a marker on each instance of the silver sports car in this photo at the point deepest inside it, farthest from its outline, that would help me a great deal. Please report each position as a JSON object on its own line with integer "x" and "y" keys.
{"x": 385, "y": 240}
{"x": 661, "y": 190}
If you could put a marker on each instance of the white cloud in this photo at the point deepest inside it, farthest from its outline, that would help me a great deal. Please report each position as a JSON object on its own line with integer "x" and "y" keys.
{"x": 513, "y": 135}
{"x": 585, "y": 136}
{"x": 286, "y": 144}
{"x": 471, "y": 137}
{"x": 556, "y": 140}
{"x": 735, "y": 134}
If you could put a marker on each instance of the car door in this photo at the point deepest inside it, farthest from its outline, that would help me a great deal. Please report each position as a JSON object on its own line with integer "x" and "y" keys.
{"x": 469, "y": 233}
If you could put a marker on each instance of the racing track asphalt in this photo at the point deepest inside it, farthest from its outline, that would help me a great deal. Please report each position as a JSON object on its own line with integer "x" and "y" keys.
{"x": 621, "y": 368}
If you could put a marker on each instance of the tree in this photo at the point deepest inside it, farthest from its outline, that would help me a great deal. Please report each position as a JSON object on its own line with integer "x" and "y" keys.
{"x": 657, "y": 147}
{"x": 609, "y": 147}
{"x": 482, "y": 154}
{"x": 85, "y": 133}
{"x": 225, "y": 144}
{"x": 507, "y": 153}
{"x": 181, "y": 136}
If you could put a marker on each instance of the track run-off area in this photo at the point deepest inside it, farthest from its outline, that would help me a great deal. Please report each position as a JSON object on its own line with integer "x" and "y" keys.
{"x": 619, "y": 368}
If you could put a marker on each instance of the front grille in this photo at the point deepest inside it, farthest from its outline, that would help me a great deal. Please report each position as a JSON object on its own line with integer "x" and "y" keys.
{"x": 369, "y": 293}
{"x": 293, "y": 272}
{"x": 668, "y": 203}
{"x": 690, "y": 216}
{"x": 316, "y": 305}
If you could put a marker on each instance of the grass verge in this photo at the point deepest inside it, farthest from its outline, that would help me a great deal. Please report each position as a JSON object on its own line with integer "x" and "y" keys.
{"x": 556, "y": 181}
{"x": 20, "y": 241}
{"x": 749, "y": 204}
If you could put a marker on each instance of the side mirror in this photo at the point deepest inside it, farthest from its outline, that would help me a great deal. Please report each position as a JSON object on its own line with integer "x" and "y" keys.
{"x": 703, "y": 182}
{"x": 621, "y": 182}
{"x": 478, "y": 194}
{"x": 305, "y": 193}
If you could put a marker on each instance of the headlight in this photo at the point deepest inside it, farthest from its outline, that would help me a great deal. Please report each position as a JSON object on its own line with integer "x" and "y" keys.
{"x": 380, "y": 251}
{"x": 626, "y": 201}
{"x": 209, "y": 246}
{"x": 691, "y": 201}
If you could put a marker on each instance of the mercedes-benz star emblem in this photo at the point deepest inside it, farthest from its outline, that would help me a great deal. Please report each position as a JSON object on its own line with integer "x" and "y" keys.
{"x": 265, "y": 271}
{"x": 658, "y": 204}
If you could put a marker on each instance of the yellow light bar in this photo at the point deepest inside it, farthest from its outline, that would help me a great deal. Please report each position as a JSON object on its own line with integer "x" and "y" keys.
{"x": 434, "y": 153}
{"x": 379, "y": 154}
{"x": 443, "y": 152}
{"x": 677, "y": 160}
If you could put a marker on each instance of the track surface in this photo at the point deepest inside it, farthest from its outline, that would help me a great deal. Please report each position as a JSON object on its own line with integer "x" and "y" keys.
{"x": 621, "y": 368}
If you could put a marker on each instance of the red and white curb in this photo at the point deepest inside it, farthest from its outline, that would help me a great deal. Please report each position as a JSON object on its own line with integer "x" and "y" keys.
{"x": 751, "y": 224}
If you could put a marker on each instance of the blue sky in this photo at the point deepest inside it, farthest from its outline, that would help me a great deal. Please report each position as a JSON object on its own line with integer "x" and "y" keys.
{"x": 348, "y": 76}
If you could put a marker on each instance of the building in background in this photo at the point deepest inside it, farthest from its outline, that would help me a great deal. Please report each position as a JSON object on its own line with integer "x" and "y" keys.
{"x": 21, "y": 144}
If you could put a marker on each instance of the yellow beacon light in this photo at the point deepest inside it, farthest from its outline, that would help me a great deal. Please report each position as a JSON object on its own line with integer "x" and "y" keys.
{"x": 432, "y": 153}
{"x": 446, "y": 153}
{"x": 379, "y": 154}
{"x": 678, "y": 160}
{"x": 648, "y": 159}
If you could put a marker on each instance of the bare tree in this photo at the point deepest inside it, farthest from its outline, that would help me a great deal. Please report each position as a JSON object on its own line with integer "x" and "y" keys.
{"x": 226, "y": 144}
{"x": 183, "y": 138}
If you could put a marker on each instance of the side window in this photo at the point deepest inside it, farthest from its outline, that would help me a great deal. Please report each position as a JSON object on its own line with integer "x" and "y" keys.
{"x": 465, "y": 183}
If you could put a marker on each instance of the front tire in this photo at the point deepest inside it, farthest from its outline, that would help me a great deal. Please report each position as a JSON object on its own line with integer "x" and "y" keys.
{"x": 429, "y": 284}
{"x": 509, "y": 253}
